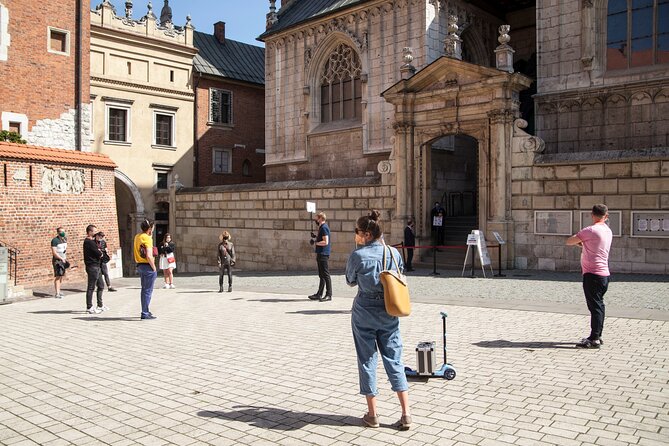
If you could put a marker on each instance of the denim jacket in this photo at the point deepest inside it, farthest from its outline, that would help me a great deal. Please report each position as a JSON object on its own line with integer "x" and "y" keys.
{"x": 364, "y": 266}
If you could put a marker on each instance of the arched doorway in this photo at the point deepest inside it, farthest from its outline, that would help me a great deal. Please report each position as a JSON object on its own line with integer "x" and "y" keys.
{"x": 129, "y": 208}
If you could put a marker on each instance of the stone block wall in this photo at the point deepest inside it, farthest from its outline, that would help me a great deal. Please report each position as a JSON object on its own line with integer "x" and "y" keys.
{"x": 29, "y": 216}
{"x": 269, "y": 223}
{"x": 623, "y": 185}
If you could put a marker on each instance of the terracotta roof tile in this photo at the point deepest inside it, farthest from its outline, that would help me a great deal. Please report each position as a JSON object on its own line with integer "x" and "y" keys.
{"x": 59, "y": 156}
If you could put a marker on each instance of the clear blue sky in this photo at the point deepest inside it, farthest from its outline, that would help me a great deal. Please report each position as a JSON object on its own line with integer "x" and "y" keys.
{"x": 244, "y": 19}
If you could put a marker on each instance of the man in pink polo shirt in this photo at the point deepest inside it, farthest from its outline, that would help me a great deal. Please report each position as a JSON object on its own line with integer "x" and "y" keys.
{"x": 595, "y": 242}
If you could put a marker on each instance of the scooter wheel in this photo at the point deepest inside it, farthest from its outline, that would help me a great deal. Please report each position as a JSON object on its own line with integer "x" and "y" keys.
{"x": 449, "y": 374}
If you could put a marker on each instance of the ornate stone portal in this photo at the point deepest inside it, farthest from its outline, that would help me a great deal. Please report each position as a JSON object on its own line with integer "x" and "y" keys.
{"x": 452, "y": 97}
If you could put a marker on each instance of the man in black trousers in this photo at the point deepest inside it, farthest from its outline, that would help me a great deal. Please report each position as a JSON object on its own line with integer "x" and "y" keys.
{"x": 93, "y": 260}
{"x": 409, "y": 240}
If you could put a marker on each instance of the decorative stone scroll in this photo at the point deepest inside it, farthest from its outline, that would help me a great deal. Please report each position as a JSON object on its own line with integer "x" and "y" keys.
{"x": 59, "y": 181}
{"x": 523, "y": 141}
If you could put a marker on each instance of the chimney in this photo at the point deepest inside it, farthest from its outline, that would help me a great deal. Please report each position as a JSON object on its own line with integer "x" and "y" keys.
{"x": 219, "y": 31}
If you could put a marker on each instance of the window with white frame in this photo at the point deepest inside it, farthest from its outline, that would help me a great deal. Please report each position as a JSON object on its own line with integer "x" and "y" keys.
{"x": 163, "y": 176}
{"x": 14, "y": 122}
{"x": 220, "y": 106}
{"x": 118, "y": 123}
{"x": 4, "y": 32}
{"x": 163, "y": 128}
{"x": 58, "y": 41}
{"x": 222, "y": 160}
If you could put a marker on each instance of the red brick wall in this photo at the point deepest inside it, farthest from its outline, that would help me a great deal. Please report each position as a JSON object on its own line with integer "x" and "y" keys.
{"x": 29, "y": 218}
{"x": 35, "y": 82}
{"x": 248, "y": 115}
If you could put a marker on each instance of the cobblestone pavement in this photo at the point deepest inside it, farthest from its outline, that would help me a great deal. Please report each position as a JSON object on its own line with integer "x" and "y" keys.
{"x": 263, "y": 365}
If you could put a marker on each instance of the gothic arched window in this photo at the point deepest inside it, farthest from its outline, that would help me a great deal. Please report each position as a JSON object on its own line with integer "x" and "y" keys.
{"x": 637, "y": 33}
{"x": 246, "y": 168}
{"x": 341, "y": 89}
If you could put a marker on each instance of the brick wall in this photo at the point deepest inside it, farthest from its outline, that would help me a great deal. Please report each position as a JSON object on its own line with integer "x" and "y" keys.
{"x": 35, "y": 82}
{"x": 269, "y": 223}
{"x": 633, "y": 185}
{"x": 248, "y": 129}
{"x": 29, "y": 218}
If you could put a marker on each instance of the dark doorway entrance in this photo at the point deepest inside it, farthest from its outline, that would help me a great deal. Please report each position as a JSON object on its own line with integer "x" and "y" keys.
{"x": 125, "y": 209}
{"x": 454, "y": 184}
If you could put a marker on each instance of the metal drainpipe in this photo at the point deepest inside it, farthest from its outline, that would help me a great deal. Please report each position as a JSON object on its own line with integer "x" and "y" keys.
{"x": 77, "y": 78}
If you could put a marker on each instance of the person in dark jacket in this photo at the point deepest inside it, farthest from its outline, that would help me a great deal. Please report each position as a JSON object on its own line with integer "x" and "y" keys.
{"x": 226, "y": 260}
{"x": 409, "y": 240}
{"x": 93, "y": 261}
{"x": 167, "y": 260}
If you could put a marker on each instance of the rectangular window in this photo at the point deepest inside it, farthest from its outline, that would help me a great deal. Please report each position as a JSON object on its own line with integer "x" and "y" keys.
{"x": 222, "y": 161}
{"x": 220, "y": 106}
{"x": 15, "y": 127}
{"x": 637, "y": 33}
{"x": 117, "y": 124}
{"x": 58, "y": 41}
{"x": 162, "y": 180}
{"x": 164, "y": 129}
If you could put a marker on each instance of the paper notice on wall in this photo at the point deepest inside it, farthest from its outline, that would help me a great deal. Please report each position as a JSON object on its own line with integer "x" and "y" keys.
{"x": 311, "y": 207}
{"x": 642, "y": 224}
{"x": 655, "y": 224}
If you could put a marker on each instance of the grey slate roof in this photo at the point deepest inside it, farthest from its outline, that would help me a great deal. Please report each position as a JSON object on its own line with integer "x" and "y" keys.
{"x": 304, "y": 10}
{"x": 232, "y": 59}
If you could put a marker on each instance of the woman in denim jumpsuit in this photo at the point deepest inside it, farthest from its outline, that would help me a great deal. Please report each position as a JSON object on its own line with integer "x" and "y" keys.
{"x": 372, "y": 327}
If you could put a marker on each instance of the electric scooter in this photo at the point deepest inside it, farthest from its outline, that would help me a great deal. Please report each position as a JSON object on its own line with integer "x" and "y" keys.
{"x": 426, "y": 366}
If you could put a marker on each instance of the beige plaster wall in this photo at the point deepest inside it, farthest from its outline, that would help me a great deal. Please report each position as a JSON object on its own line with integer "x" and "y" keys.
{"x": 148, "y": 86}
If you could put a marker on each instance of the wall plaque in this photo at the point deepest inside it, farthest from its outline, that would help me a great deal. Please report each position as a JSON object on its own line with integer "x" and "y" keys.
{"x": 60, "y": 181}
{"x": 653, "y": 224}
{"x": 553, "y": 222}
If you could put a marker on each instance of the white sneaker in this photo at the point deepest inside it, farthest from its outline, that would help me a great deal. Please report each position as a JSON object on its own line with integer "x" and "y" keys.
{"x": 166, "y": 286}
{"x": 58, "y": 296}
{"x": 172, "y": 286}
{"x": 102, "y": 308}
{"x": 93, "y": 311}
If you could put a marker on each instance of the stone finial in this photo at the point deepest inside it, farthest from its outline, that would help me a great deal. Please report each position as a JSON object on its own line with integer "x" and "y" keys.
{"x": 189, "y": 20}
{"x": 504, "y": 52}
{"x": 178, "y": 185}
{"x": 407, "y": 69}
{"x": 149, "y": 11}
{"x": 128, "y": 9}
{"x": 453, "y": 42}
{"x": 272, "y": 17}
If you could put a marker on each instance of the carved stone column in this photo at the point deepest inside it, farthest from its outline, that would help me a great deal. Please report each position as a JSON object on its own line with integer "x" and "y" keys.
{"x": 452, "y": 42}
{"x": 400, "y": 158}
{"x": 501, "y": 131}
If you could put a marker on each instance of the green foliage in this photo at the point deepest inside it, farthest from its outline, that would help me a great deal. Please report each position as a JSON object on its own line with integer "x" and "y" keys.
{"x": 6, "y": 135}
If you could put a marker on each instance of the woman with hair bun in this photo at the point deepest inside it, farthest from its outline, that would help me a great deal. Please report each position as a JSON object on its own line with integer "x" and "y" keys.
{"x": 374, "y": 330}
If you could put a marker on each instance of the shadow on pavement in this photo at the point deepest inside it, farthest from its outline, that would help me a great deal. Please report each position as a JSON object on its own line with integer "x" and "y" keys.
{"x": 280, "y": 419}
{"x": 105, "y": 319}
{"x": 276, "y": 301}
{"x": 194, "y": 292}
{"x": 314, "y": 312}
{"x": 501, "y": 343}
{"x": 58, "y": 312}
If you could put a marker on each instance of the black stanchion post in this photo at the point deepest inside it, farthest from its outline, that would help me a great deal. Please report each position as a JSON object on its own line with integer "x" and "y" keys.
{"x": 473, "y": 258}
{"x": 434, "y": 262}
{"x": 499, "y": 262}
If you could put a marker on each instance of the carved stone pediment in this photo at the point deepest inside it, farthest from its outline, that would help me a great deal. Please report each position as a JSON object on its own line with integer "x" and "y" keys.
{"x": 445, "y": 73}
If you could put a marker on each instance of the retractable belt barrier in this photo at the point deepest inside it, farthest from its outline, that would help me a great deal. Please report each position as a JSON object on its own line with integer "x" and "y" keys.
{"x": 434, "y": 249}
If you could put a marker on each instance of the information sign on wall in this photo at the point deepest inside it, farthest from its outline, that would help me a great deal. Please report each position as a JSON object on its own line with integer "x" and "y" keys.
{"x": 654, "y": 224}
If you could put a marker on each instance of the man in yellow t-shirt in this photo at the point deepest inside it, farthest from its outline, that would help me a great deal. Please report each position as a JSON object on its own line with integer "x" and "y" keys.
{"x": 146, "y": 267}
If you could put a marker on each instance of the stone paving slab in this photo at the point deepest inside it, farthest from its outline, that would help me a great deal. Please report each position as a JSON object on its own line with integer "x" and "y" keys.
{"x": 267, "y": 368}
